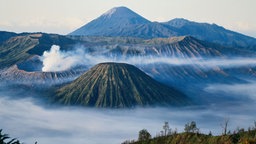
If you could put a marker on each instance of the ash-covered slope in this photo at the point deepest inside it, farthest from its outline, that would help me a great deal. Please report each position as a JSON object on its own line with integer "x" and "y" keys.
{"x": 118, "y": 85}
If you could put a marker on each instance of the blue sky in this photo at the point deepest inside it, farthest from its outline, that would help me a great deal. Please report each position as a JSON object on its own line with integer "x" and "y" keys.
{"x": 64, "y": 16}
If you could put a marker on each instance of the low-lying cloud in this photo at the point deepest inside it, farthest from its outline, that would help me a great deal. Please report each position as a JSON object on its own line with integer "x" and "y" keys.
{"x": 57, "y": 60}
{"x": 238, "y": 90}
{"x": 30, "y": 122}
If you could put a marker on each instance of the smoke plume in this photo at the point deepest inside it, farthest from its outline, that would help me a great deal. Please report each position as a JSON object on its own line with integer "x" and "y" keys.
{"x": 56, "y": 60}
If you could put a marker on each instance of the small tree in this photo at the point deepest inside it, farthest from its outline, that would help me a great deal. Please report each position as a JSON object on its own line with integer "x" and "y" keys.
{"x": 166, "y": 128}
{"x": 225, "y": 126}
{"x": 4, "y": 137}
{"x": 126, "y": 142}
{"x": 161, "y": 133}
{"x": 144, "y": 135}
{"x": 191, "y": 127}
{"x": 170, "y": 132}
{"x": 255, "y": 125}
{"x": 175, "y": 131}
{"x": 210, "y": 133}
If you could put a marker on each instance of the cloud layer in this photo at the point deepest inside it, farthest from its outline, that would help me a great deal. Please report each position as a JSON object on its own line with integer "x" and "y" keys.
{"x": 235, "y": 90}
{"x": 57, "y": 60}
{"x": 50, "y": 125}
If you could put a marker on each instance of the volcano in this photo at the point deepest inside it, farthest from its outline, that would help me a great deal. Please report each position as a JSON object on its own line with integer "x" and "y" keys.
{"x": 113, "y": 21}
{"x": 123, "y": 22}
{"x": 118, "y": 85}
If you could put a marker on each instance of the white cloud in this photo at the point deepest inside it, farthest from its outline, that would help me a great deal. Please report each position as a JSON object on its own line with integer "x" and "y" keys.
{"x": 29, "y": 122}
{"x": 244, "y": 27}
{"x": 241, "y": 91}
{"x": 60, "y": 25}
{"x": 57, "y": 60}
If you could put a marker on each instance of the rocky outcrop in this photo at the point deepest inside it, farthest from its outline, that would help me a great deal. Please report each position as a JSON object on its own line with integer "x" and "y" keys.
{"x": 14, "y": 75}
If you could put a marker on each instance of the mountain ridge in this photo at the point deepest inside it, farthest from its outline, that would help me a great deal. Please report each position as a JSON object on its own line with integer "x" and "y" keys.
{"x": 125, "y": 26}
{"x": 211, "y": 32}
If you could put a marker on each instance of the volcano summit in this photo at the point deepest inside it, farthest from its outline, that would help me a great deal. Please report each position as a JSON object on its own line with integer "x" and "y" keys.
{"x": 118, "y": 85}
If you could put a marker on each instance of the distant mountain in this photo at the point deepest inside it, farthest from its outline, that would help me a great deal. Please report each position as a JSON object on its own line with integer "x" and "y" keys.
{"x": 121, "y": 21}
{"x": 118, "y": 85}
{"x": 211, "y": 32}
{"x": 113, "y": 21}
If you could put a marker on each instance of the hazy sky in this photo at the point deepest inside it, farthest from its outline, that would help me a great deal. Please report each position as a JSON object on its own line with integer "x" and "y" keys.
{"x": 64, "y": 16}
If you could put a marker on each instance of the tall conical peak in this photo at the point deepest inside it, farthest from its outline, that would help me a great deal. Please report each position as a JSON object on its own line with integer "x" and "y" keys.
{"x": 114, "y": 20}
{"x": 114, "y": 10}
{"x": 122, "y": 12}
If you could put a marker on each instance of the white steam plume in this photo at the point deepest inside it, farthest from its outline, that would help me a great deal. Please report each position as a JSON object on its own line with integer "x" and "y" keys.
{"x": 55, "y": 60}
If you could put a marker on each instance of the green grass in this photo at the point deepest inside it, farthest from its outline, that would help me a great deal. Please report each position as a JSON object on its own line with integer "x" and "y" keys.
{"x": 244, "y": 137}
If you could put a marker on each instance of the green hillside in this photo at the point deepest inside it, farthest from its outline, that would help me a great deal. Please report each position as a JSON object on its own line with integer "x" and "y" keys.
{"x": 248, "y": 137}
{"x": 192, "y": 135}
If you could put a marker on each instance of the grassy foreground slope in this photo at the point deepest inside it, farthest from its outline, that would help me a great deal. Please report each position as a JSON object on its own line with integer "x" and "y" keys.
{"x": 243, "y": 137}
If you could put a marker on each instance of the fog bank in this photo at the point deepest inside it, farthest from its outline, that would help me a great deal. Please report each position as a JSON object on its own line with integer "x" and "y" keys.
{"x": 30, "y": 122}
{"x": 247, "y": 90}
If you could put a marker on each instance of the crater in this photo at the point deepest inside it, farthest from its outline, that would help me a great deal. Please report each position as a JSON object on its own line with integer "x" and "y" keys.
{"x": 34, "y": 64}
